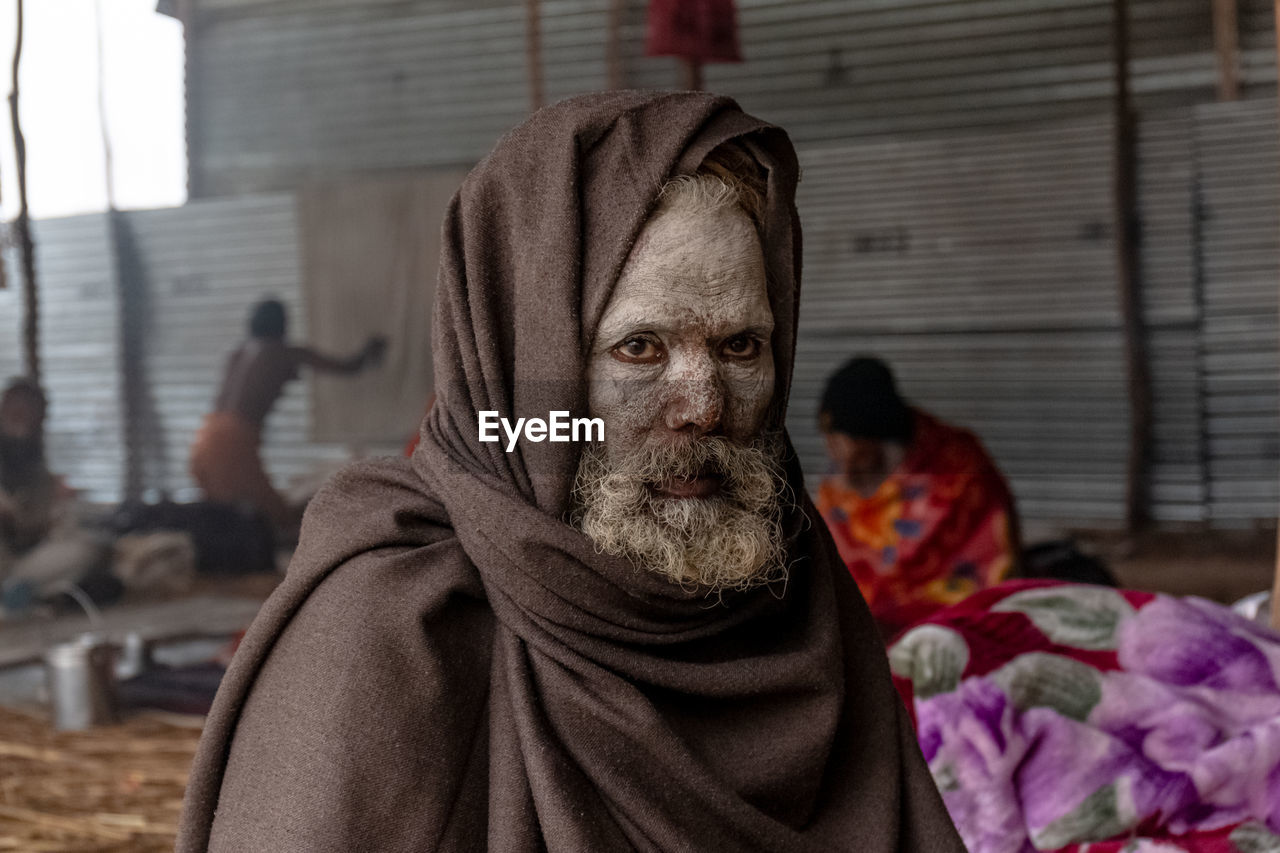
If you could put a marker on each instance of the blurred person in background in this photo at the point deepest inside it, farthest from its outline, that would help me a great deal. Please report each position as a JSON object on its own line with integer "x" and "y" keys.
{"x": 919, "y": 511}
{"x": 225, "y": 457}
{"x": 42, "y": 545}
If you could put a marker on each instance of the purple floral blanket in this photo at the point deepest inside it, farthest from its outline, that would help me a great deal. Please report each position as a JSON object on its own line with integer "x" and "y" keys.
{"x": 1082, "y": 718}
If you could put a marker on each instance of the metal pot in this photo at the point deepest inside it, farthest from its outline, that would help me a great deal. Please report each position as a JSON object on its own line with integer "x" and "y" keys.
{"x": 81, "y": 679}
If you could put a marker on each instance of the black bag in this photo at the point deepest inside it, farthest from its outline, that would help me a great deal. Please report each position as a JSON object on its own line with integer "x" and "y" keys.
{"x": 1062, "y": 560}
{"x": 229, "y": 540}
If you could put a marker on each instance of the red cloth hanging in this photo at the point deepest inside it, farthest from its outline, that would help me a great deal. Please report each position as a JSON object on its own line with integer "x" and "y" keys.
{"x": 701, "y": 30}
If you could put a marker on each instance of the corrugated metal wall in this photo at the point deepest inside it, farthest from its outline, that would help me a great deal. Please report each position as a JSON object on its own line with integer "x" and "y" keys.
{"x": 1240, "y": 246}
{"x": 11, "y": 330}
{"x": 1171, "y": 310}
{"x": 915, "y": 255}
{"x": 966, "y": 263}
{"x": 982, "y": 268}
{"x": 286, "y": 89}
{"x": 205, "y": 264}
{"x": 956, "y": 206}
{"x": 200, "y": 267}
{"x": 78, "y": 347}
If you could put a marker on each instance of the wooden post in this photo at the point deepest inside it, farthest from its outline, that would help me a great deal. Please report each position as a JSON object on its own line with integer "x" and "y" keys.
{"x": 1275, "y": 589}
{"x": 533, "y": 52}
{"x": 1226, "y": 44}
{"x": 192, "y": 116}
{"x": 26, "y": 246}
{"x": 613, "y": 45}
{"x": 691, "y": 77}
{"x": 1124, "y": 217}
{"x": 104, "y": 133}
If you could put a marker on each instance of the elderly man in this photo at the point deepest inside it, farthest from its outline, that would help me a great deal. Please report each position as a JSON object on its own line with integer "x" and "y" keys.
{"x": 641, "y": 643}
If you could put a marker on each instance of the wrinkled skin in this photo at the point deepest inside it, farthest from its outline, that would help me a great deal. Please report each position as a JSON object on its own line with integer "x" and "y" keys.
{"x": 683, "y": 349}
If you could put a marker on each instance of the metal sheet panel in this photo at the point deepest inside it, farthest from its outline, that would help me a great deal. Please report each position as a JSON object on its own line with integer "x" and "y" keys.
{"x": 981, "y": 268}
{"x": 205, "y": 265}
{"x": 1008, "y": 230}
{"x": 282, "y": 90}
{"x": 11, "y": 321}
{"x": 79, "y": 349}
{"x": 1171, "y": 308}
{"x": 837, "y": 69}
{"x": 1178, "y": 484}
{"x": 1240, "y": 232}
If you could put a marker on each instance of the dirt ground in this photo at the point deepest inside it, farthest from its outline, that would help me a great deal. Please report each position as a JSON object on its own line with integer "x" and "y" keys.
{"x": 115, "y": 789}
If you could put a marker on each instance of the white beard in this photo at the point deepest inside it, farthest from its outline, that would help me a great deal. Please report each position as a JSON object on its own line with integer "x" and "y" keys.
{"x": 732, "y": 540}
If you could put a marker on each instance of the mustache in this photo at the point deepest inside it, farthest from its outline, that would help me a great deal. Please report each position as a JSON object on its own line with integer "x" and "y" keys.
{"x": 745, "y": 469}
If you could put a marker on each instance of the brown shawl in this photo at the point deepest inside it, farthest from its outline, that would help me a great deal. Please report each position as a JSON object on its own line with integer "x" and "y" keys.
{"x": 449, "y": 666}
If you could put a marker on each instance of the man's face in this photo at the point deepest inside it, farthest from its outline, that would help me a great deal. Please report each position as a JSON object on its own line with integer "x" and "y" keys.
{"x": 683, "y": 350}
{"x": 681, "y": 372}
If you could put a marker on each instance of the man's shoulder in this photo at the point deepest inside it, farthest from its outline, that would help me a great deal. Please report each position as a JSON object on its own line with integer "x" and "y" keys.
{"x": 373, "y": 502}
{"x": 371, "y": 604}
{"x": 369, "y": 663}
{"x": 375, "y": 543}
{"x": 396, "y": 604}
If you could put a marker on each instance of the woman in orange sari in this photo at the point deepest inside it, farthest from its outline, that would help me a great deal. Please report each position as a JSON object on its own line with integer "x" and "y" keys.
{"x": 920, "y": 513}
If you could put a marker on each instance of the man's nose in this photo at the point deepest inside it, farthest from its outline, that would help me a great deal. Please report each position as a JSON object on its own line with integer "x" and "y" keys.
{"x": 696, "y": 403}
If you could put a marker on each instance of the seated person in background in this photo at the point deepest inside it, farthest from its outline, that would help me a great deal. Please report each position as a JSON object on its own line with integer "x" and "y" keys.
{"x": 225, "y": 460}
{"x": 42, "y": 548}
{"x": 917, "y": 508}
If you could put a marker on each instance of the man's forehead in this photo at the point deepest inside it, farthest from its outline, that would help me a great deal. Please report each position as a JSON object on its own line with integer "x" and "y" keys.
{"x": 669, "y": 303}
{"x": 692, "y": 269}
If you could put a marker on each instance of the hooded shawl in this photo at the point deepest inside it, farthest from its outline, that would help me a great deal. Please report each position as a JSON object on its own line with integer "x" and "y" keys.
{"x": 448, "y": 665}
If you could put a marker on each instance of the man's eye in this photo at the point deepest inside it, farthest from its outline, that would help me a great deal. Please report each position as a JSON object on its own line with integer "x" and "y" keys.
{"x": 638, "y": 351}
{"x": 742, "y": 347}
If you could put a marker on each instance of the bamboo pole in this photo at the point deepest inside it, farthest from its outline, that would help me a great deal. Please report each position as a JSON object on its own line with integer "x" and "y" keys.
{"x": 691, "y": 72}
{"x": 1226, "y": 44}
{"x": 1275, "y": 588}
{"x": 613, "y": 46}
{"x": 192, "y": 128}
{"x": 22, "y": 227}
{"x": 105, "y": 134}
{"x": 1128, "y": 275}
{"x": 533, "y": 53}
